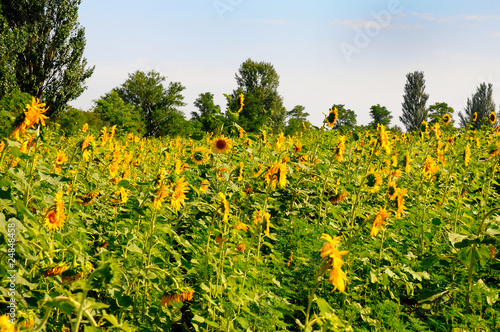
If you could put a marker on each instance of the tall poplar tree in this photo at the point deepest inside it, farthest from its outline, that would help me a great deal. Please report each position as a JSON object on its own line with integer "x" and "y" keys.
{"x": 50, "y": 63}
{"x": 481, "y": 103}
{"x": 415, "y": 98}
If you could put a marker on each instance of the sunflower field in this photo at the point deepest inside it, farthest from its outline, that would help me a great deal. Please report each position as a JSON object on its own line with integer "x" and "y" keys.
{"x": 363, "y": 230}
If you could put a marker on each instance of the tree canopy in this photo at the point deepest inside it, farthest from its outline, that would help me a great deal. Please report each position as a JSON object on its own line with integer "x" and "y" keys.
{"x": 207, "y": 113}
{"x": 297, "y": 119}
{"x": 415, "y": 99}
{"x": 346, "y": 117}
{"x": 380, "y": 115}
{"x": 49, "y": 64}
{"x": 157, "y": 105}
{"x": 478, "y": 107}
{"x": 258, "y": 82}
{"x": 437, "y": 111}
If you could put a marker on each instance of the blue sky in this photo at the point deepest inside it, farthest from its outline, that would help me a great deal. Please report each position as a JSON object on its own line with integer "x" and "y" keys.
{"x": 355, "y": 53}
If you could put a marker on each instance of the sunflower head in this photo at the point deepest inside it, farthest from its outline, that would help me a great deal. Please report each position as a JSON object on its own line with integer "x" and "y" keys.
{"x": 446, "y": 119}
{"x": 492, "y": 117}
{"x": 221, "y": 144}
{"x": 373, "y": 181}
{"x": 474, "y": 116}
{"x": 332, "y": 117}
{"x": 199, "y": 156}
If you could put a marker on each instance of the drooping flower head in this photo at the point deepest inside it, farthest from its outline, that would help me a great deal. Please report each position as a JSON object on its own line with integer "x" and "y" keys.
{"x": 379, "y": 221}
{"x": 373, "y": 181}
{"x": 242, "y": 99}
{"x": 333, "y": 261}
{"x": 332, "y": 117}
{"x": 223, "y": 207}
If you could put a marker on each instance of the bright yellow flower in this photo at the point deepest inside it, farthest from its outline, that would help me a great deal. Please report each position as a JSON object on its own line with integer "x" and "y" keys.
{"x": 6, "y": 325}
{"x": 379, "y": 222}
{"x": 276, "y": 174}
{"x": 85, "y": 128}
{"x": 178, "y": 197}
{"x": 467, "y": 155}
{"x": 204, "y": 186}
{"x": 400, "y": 202}
{"x": 340, "y": 149}
{"x": 430, "y": 167}
{"x": 55, "y": 218}
{"x": 334, "y": 261}
{"x": 384, "y": 139}
{"x": 199, "y": 156}
{"x": 373, "y": 181}
{"x": 242, "y": 226}
{"x": 446, "y": 119}
{"x": 224, "y": 207}
{"x": 242, "y": 99}
{"x": 221, "y": 144}
{"x": 492, "y": 117}
{"x": 474, "y": 117}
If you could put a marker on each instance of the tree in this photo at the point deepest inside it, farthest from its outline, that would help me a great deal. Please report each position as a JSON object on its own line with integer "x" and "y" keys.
{"x": 381, "y": 115}
{"x": 296, "y": 118}
{"x": 112, "y": 110}
{"x": 207, "y": 112}
{"x": 346, "y": 118}
{"x": 415, "y": 98}
{"x": 71, "y": 121}
{"x": 481, "y": 103}
{"x": 50, "y": 64}
{"x": 12, "y": 42}
{"x": 158, "y": 106}
{"x": 258, "y": 81}
{"x": 437, "y": 111}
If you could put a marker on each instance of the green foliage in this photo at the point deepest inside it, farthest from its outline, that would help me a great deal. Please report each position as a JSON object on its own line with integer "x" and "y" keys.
{"x": 297, "y": 120}
{"x": 12, "y": 41}
{"x": 347, "y": 118}
{"x": 481, "y": 103}
{"x": 380, "y": 115}
{"x": 158, "y": 105}
{"x": 208, "y": 116}
{"x": 71, "y": 120}
{"x": 259, "y": 82}
{"x": 437, "y": 111}
{"x": 50, "y": 63}
{"x": 113, "y": 111}
{"x": 415, "y": 99}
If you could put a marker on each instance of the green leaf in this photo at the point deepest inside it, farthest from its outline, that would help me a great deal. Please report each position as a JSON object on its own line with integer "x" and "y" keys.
{"x": 324, "y": 306}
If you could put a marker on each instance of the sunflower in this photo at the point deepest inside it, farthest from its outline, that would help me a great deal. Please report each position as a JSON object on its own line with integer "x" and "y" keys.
{"x": 446, "y": 119}
{"x": 424, "y": 127}
{"x": 181, "y": 295}
{"x": 334, "y": 261}
{"x": 276, "y": 174}
{"x": 373, "y": 181}
{"x": 379, "y": 221}
{"x": 264, "y": 218}
{"x": 430, "y": 167}
{"x": 492, "y": 117}
{"x": 204, "y": 186}
{"x": 55, "y": 218}
{"x": 407, "y": 160}
{"x": 241, "y": 226}
{"x": 474, "y": 116}
{"x": 332, "y": 117}
{"x": 384, "y": 139}
{"x": 178, "y": 197}
{"x": 392, "y": 190}
{"x": 242, "y": 99}
{"x": 221, "y": 144}
{"x": 224, "y": 207}
{"x": 400, "y": 202}
{"x": 467, "y": 155}
{"x": 241, "y": 247}
{"x": 199, "y": 156}
{"x": 55, "y": 270}
{"x": 340, "y": 149}
{"x": 6, "y": 325}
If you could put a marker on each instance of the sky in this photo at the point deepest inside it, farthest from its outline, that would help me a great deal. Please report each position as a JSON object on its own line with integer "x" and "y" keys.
{"x": 326, "y": 52}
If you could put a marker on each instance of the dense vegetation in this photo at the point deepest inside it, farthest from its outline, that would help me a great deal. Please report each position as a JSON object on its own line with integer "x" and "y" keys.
{"x": 323, "y": 230}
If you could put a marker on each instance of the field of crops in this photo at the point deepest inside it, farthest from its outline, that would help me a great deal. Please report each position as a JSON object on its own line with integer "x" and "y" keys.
{"x": 353, "y": 231}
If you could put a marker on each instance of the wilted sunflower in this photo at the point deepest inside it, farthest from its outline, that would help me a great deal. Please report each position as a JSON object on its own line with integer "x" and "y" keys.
{"x": 446, "y": 119}
{"x": 332, "y": 117}
{"x": 492, "y": 117}
{"x": 199, "y": 156}
{"x": 221, "y": 144}
{"x": 55, "y": 218}
{"x": 55, "y": 270}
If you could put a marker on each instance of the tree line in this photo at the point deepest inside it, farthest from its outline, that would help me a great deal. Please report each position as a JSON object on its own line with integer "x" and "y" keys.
{"x": 41, "y": 55}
